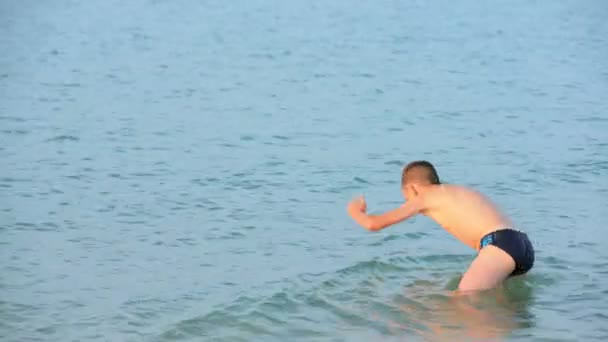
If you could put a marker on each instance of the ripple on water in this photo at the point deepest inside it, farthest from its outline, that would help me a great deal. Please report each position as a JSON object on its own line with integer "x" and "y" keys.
{"x": 396, "y": 237}
{"x": 349, "y": 299}
{"x": 63, "y": 138}
{"x": 352, "y": 299}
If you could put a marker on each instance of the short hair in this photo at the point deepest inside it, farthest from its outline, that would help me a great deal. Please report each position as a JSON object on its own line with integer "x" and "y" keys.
{"x": 419, "y": 171}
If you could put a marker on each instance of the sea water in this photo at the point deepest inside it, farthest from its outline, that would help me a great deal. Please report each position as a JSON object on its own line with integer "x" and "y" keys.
{"x": 179, "y": 170}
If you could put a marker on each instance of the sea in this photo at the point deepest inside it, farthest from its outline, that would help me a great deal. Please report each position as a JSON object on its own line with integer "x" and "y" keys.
{"x": 180, "y": 170}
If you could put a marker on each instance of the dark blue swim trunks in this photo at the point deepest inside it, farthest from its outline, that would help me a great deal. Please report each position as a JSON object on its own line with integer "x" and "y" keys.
{"x": 516, "y": 244}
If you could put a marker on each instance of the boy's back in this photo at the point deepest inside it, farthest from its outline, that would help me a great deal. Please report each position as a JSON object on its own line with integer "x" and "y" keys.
{"x": 463, "y": 212}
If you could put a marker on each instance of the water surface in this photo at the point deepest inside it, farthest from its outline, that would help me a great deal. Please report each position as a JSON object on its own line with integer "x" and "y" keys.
{"x": 180, "y": 170}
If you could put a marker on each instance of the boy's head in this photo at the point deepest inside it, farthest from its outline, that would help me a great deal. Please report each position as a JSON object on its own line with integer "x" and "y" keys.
{"x": 416, "y": 176}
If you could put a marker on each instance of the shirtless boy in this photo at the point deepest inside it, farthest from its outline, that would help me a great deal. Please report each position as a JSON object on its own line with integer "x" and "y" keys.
{"x": 466, "y": 214}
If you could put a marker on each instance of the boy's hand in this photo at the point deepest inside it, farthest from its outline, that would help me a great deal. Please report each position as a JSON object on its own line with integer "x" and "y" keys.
{"x": 357, "y": 205}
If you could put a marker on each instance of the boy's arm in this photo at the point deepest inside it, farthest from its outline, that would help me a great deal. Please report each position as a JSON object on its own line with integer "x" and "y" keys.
{"x": 357, "y": 210}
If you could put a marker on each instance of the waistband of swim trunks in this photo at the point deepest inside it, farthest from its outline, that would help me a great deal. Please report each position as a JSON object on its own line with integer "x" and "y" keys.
{"x": 489, "y": 238}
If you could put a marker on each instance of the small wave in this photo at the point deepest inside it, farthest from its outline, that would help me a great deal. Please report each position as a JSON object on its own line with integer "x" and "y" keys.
{"x": 349, "y": 301}
{"x": 394, "y": 237}
{"x": 13, "y": 180}
{"x": 384, "y": 240}
{"x": 394, "y": 162}
{"x": 306, "y": 314}
{"x": 15, "y": 131}
{"x": 11, "y": 118}
{"x": 371, "y": 267}
{"x": 245, "y": 315}
{"x": 336, "y": 299}
{"x": 360, "y": 180}
{"x": 63, "y": 138}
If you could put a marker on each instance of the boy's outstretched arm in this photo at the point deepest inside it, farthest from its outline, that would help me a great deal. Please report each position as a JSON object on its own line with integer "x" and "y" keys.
{"x": 357, "y": 210}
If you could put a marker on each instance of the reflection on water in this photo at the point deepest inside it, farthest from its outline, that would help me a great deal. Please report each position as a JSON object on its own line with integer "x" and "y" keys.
{"x": 447, "y": 316}
{"x": 368, "y": 301}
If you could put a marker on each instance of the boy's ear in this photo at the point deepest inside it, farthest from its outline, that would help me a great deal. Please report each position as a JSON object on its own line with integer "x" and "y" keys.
{"x": 414, "y": 189}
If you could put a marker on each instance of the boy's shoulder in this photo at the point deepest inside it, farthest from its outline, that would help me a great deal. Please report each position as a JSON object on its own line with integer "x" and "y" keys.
{"x": 453, "y": 187}
{"x": 450, "y": 190}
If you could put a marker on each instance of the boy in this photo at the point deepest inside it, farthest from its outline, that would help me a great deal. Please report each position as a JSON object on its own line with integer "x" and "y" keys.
{"x": 466, "y": 214}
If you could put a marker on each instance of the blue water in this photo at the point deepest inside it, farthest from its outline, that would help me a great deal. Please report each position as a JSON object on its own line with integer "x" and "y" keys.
{"x": 179, "y": 170}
